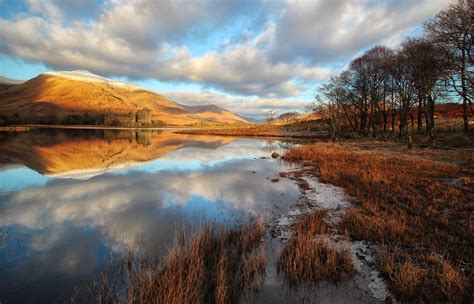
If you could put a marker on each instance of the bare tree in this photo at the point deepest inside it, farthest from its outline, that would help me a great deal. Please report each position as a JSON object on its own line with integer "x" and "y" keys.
{"x": 452, "y": 30}
{"x": 270, "y": 116}
{"x": 378, "y": 75}
{"x": 405, "y": 89}
{"x": 405, "y": 84}
{"x": 429, "y": 65}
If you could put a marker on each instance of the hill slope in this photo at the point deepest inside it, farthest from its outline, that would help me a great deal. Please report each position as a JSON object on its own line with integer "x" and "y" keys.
{"x": 6, "y": 83}
{"x": 57, "y": 95}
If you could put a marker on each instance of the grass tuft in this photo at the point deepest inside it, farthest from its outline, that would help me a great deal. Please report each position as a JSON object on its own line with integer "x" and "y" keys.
{"x": 309, "y": 256}
{"x": 214, "y": 266}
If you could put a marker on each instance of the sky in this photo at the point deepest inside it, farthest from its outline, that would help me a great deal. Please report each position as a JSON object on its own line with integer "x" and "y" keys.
{"x": 247, "y": 56}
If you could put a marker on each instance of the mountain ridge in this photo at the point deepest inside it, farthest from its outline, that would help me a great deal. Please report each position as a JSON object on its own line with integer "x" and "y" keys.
{"x": 70, "y": 96}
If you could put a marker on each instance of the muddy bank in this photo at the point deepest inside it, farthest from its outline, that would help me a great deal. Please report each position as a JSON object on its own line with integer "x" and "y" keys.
{"x": 365, "y": 285}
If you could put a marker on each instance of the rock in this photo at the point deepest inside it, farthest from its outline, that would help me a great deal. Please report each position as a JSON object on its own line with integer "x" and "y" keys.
{"x": 275, "y": 155}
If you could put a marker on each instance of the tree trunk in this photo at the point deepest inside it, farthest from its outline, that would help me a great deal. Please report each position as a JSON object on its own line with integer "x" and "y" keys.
{"x": 420, "y": 110}
{"x": 363, "y": 120}
{"x": 403, "y": 122}
{"x": 393, "y": 119}
{"x": 465, "y": 114}
{"x": 427, "y": 113}
{"x": 430, "y": 119}
{"x": 384, "y": 113}
{"x": 333, "y": 129}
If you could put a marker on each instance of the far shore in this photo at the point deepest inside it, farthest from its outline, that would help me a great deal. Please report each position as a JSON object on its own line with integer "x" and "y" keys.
{"x": 95, "y": 127}
{"x": 248, "y": 131}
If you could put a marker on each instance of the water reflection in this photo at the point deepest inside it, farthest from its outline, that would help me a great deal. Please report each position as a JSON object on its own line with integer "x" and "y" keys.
{"x": 72, "y": 153}
{"x": 133, "y": 191}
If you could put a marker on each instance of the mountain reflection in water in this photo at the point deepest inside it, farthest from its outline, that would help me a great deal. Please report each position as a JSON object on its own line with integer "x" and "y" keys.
{"x": 96, "y": 193}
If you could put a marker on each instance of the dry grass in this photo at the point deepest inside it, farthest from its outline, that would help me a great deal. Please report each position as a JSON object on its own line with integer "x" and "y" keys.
{"x": 300, "y": 129}
{"x": 14, "y": 129}
{"x": 214, "y": 266}
{"x": 427, "y": 278}
{"x": 309, "y": 256}
{"x": 411, "y": 206}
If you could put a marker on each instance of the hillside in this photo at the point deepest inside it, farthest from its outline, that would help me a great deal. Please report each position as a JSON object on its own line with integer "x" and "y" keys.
{"x": 82, "y": 97}
{"x": 6, "y": 83}
{"x": 64, "y": 153}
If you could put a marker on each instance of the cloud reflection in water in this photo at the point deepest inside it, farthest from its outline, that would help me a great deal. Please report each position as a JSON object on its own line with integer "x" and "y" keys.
{"x": 68, "y": 226}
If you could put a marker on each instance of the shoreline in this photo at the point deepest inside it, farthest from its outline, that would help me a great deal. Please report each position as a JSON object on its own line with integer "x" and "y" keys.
{"x": 92, "y": 127}
{"x": 244, "y": 132}
{"x": 414, "y": 219}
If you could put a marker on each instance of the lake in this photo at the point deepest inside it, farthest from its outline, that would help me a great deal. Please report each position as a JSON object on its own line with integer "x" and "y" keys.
{"x": 72, "y": 200}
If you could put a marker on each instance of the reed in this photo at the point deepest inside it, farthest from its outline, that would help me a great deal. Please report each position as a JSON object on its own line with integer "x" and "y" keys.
{"x": 309, "y": 256}
{"x": 213, "y": 266}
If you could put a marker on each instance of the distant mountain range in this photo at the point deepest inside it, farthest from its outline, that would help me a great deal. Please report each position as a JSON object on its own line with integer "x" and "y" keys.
{"x": 80, "y": 97}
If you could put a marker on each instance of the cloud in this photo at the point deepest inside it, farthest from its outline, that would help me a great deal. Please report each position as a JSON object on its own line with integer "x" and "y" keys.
{"x": 272, "y": 50}
{"x": 243, "y": 69}
{"x": 112, "y": 204}
{"x": 322, "y": 31}
{"x": 68, "y": 227}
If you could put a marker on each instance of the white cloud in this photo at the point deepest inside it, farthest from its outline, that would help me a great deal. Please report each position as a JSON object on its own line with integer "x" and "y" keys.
{"x": 112, "y": 204}
{"x": 321, "y": 31}
{"x": 276, "y": 56}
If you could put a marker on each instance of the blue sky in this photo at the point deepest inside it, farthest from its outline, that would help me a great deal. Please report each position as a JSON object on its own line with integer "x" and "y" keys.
{"x": 245, "y": 55}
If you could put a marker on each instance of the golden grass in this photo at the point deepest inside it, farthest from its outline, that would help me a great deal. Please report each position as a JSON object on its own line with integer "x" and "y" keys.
{"x": 411, "y": 206}
{"x": 429, "y": 278}
{"x": 309, "y": 256}
{"x": 214, "y": 266}
{"x": 14, "y": 129}
{"x": 300, "y": 129}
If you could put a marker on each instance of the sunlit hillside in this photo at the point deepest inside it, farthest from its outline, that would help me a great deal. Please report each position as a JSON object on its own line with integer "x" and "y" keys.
{"x": 53, "y": 97}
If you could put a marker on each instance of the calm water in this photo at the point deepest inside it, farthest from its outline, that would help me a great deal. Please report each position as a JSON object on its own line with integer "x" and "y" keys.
{"x": 72, "y": 199}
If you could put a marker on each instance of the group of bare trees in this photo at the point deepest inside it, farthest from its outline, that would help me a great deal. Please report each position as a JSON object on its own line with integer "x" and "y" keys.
{"x": 384, "y": 89}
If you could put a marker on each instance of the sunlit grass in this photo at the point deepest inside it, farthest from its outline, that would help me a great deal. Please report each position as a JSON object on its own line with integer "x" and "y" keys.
{"x": 413, "y": 207}
{"x": 213, "y": 266}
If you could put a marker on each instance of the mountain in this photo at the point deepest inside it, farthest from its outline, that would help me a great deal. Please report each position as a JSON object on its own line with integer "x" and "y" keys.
{"x": 6, "y": 83}
{"x": 252, "y": 120}
{"x": 80, "y": 97}
{"x": 288, "y": 116}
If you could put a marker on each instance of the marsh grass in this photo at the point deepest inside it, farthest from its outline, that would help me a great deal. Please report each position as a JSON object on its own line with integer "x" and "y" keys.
{"x": 414, "y": 207}
{"x": 428, "y": 277}
{"x": 309, "y": 256}
{"x": 213, "y": 266}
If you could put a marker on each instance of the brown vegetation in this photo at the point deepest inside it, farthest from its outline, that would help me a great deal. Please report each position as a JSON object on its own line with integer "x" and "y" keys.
{"x": 296, "y": 129}
{"x": 418, "y": 209}
{"x": 428, "y": 277}
{"x": 309, "y": 256}
{"x": 14, "y": 129}
{"x": 214, "y": 266}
